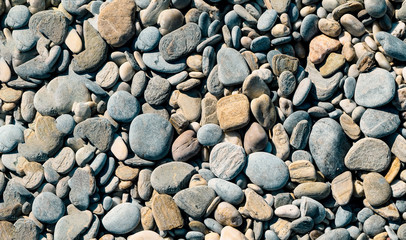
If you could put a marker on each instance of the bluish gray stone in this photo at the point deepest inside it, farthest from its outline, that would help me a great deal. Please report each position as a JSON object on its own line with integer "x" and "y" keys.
{"x": 290, "y": 123}
{"x": 286, "y": 83}
{"x": 374, "y": 225}
{"x": 72, "y": 225}
{"x": 349, "y": 87}
{"x": 233, "y": 68}
{"x": 157, "y": 91}
{"x": 48, "y": 208}
{"x": 309, "y": 27}
{"x": 400, "y": 205}
{"x": 213, "y": 225}
{"x": 260, "y": 44}
{"x": 194, "y": 235}
{"x": 195, "y": 201}
{"x": 123, "y": 107}
{"x": 379, "y": 123}
{"x": 148, "y": 39}
{"x": 302, "y": 91}
{"x": 343, "y": 216}
{"x": 10, "y": 136}
{"x": 204, "y": 23}
{"x": 302, "y": 225}
{"x": 150, "y": 136}
{"x": 375, "y": 88}
{"x": 227, "y": 160}
{"x": 155, "y": 61}
{"x": 271, "y": 235}
{"x": 267, "y": 20}
{"x": 214, "y": 27}
{"x": 301, "y": 155}
{"x": 209, "y": 134}
{"x": 171, "y": 177}
{"x": 97, "y": 130}
{"x": 24, "y": 39}
{"x": 328, "y": 145}
{"x": 282, "y": 40}
{"x": 236, "y": 36}
{"x": 293, "y": 12}
{"x": 323, "y": 88}
{"x": 74, "y": 6}
{"x": 270, "y": 55}
{"x": 392, "y": 45}
{"x": 267, "y": 171}
{"x": 231, "y": 19}
{"x": 122, "y": 219}
{"x": 206, "y": 174}
{"x": 228, "y": 191}
{"x": 339, "y": 233}
{"x": 82, "y": 185}
{"x": 214, "y": 86}
{"x": 364, "y": 214}
{"x": 18, "y": 16}
{"x": 98, "y": 163}
{"x": 375, "y": 8}
{"x": 106, "y": 172}
{"x": 65, "y": 123}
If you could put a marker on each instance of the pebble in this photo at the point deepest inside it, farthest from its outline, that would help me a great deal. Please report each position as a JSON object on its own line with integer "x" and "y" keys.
{"x": 227, "y": 215}
{"x": 195, "y": 201}
{"x": 122, "y": 219}
{"x": 171, "y": 177}
{"x": 48, "y": 208}
{"x": 385, "y": 125}
{"x": 10, "y": 136}
{"x": 320, "y": 47}
{"x": 97, "y": 130}
{"x": 209, "y": 134}
{"x": 123, "y": 107}
{"x": 392, "y": 45}
{"x": 267, "y": 171}
{"x": 325, "y": 134}
{"x": 256, "y": 207}
{"x": 227, "y": 58}
{"x": 155, "y": 61}
{"x": 377, "y": 189}
{"x": 267, "y": 20}
{"x": 233, "y": 112}
{"x": 374, "y": 225}
{"x": 149, "y": 136}
{"x": 309, "y": 27}
{"x": 228, "y": 191}
{"x": 227, "y": 160}
{"x": 186, "y": 146}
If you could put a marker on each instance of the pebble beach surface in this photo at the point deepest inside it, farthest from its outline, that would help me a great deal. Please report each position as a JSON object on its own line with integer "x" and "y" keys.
{"x": 202, "y": 119}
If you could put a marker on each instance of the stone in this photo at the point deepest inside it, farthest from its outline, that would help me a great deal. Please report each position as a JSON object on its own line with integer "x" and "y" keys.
{"x": 150, "y": 135}
{"x": 166, "y": 213}
{"x": 18, "y": 16}
{"x": 51, "y": 24}
{"x": 333, "y": 63}
{"x": 149, "y": 15}
{"x": 126, "y": 173}
{"x": 190, "y": 104}
{"x": 171, "y": 177}
{"x": 342, "y": 188}
{"x": 315, "y": 190}
{"x": 228, "y": 75}
{"x": 282, "y": 228}
{"x": 233, "y": 112}
{"x": 228, "y": 191}
{"x": 352, "y": 25}
{"x": 343, "y": 216}
{"x": 73, "y": 41}
{"x": 148, "y": 39}
{"x": 351, "y": 129}
{"x": 329, "y": 27}
{"x": 255, "y": 139}
{"x": 10, "y": 136}
{"x": 286, "y": 83}
{"x": 185, "y": 147}
{"x": 288, "y": 211}
{"x": 339, "y": 233}
{"x": 323, "y": 88}
{"x": 123, "y": 107}
{"x": 108, "y": 75}
{"x": 267, "y": 171}
{"x": 227, "y": 215}
{"x": 210, "y": 134}
{"x": 302, "y": 225}
{"x": 308, "y": 28}
{"x": 325, "y": 134}
{"x": 264, "y": 111}
{"x": 253, "y": 87}
{"x": 392, "y": 46}
{"x": 195, "y": 201}
{"x": 155, "y": 61}
{"x": 116, "y": 22}
{"x": 302, "y": 91}
{"x": 373, "y": 126}
{"x": 122, "y": 219}
{"x": 368, "y": 154}
{"x": 374, "y": 225}
{"x": 94, "y": 54}
{"x": 157, "y": 91}
{"x": 180, "y": 42}
{"x": 377, "y": 189}
{"x": 302, "y": 171}
{"x": 321, "y": 46}
{"x": 375, "y": 8}
{"x": 282, "y": 62}
{"x": 98, "y": 131}
{"x": 48, "y": 208}
{"x": 256, "y": 207}
{"x": 281, "y": 141}
{"x": 82, "y": 185}
{"x": 227, "y": 160}
{"x": 267, "y": 20}
{"x": 374, "y": 91}
{"x": 170, "y": 20}
{"x": 72, "y": 225}
{"x": 229, "y": 232}
{"x": 145, "y": 234}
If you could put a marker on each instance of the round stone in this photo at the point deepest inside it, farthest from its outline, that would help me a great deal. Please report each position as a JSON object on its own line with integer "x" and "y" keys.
{"x": 157, "y": 91}
{"x": 375, "y": 88}
{"x": 267, "y": 171}
{"x": 375, "y": 8}
{"x": 18, "y": 16}
{"x": 48, "y": 208}
{"x": 377, "y": 189}
{"x": 209, "y": 134}
{"x": 148, "y": 39}
{"x": 122, "y": 219}
{"x": 123, "y": 107}
{"x": 368, "y": 154}
{"x": 267, "y": 20}
{"x": 10, "y": 136}
{"x": 374, "y": 225}
{"x": 227, "y": 160}
{"x": 232, "y": 69}
{"x": 150, "y": 136}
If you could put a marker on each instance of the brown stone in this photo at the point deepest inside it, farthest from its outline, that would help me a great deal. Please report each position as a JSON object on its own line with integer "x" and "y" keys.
{"x": 281, "y": 228}
{"x": 9, "y": 94}
{"x": 147, "y": 219}
{"x": 333, "y": 63}
{"x": 283, "y": 62}
{"x": 255, "y": 138}
{"x": 302, "y": 171}
{"x": 7, "y": 230}
{"x": 179, "y": 122}
{"x": 281, "y": 141}
{"x": 227, "y": 215}
{"x": 116, "y": 22}
{"x": 320, "y": 46}
{"x": 166, "y": 214}
{"x": 388, "y": 211}
{"x": 209, "y": 110}
{"x": 264, "y": 111}
{"x": 185, "y": 146}
{"x": 342, "y": 188}
{"x": 393, "y": 170}
{"x": 315, "y": 190}
{"x": 126, "y": 173}
{"x": 351, "y": 129}
{"x": 329, "y": 27}
{"x": 348, "y": 51}
{"x": 233, "y": 112}
{"x": 255, "y": 206}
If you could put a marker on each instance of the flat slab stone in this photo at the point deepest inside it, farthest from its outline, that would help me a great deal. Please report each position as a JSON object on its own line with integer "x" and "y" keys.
{"x": 195, "y": 201}
{"x": 156, "y": 62}
{"x": 375, "y": 88}
{"x": 166, "y": 213}
{"x": 171, "y": 177}
{"x": 71, "y": 226}
{"x": 392, "y": 45}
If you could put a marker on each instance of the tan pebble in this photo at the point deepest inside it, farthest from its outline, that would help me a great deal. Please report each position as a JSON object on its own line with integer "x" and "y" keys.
{"x": 282, "y": 228}
{"x": 345, "y": 37}
{"x": 169, "y": 20}
{"x": 280, "y": 30}
{"x": 358, "y": 189}
{"x": 9, "y": 94}
{"x": 302, "y": 171}
{"x": 197, "y": 180}
{"x": 123, "y": 185}
{"x": 351, "y": 129}
{"x": 342, "y": 188}
{"x": 147, "y": 220}
{"x": 5, "y": 72}
{"x": 255, "y": 207}
{"x": 320, "y": 46}
{"x": 281, "y": 141}
{"x": 145, "y": 235}
{"x": 119, "y": 148}
{"x": 73, "y": 41}
{"x": 381, "y": 236}
{"x": 198, "y": 226}
{"x": 227, "y": 215}
{"x": 371, "y": 43}
{"x": 212, "y": 236}
{"x": 393, "y": 170}
{"x": 348, "y": 51}
{"x": 8, "y": 107}
{"x": 126, "y": 72}
{"x": 233, "y": 112}
{"x": 107, "y": 75}
{"x": 209, "y": 110}
{"x": 230, "y": 233}
{"x": 233, "y": 137}
{"x": 246, "y": 42}
{"x": 315, "y": 190}
{"x": 332, "y": 64}
{"x": 307, "y": 10}
{"x": 388, "y": 210}
{"x": 194, "y": 62}
{"x": 126, "y": 173}
{"x": 329, "y": 27}
{"x": 166, "y": 214}
{"x": 382, "y": 61}
{"x": 352, "y": 25}
{"x": 360, "y": 50}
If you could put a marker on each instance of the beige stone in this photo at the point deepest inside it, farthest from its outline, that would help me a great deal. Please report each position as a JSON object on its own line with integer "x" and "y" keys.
{"x": 209, "y": 110}
{"x": 147, "y": 219}
{"x": 166, "y": 214}
{"x": 230, "y": 233}
{"x": 73, "y": 41}
{"x": 9, "y": 94}
{"x": 302, "y": 171}
{"x": 315, "y": 190}
{"x": 320, "y": 46}
{"x": 145, "y": 235}
{"x": 333, "y": 63}
{"x": 255, "y": 207}
{"x": 388, "y": 211}
{"x": 351, "y": 129}
{"x": 126, "y": 173}
{"x": 393, "y": 170}
{"x": 329, "y": 27}
{"x": 281, "y": 141}
{"x": 227, "y": 215}
{"x": 342, "y": 188}
{"x": 233, "y": 112}
{"x": 282, "y": 228}
{"x": 5, "y": 71}
{"x": 119, "y": 148}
